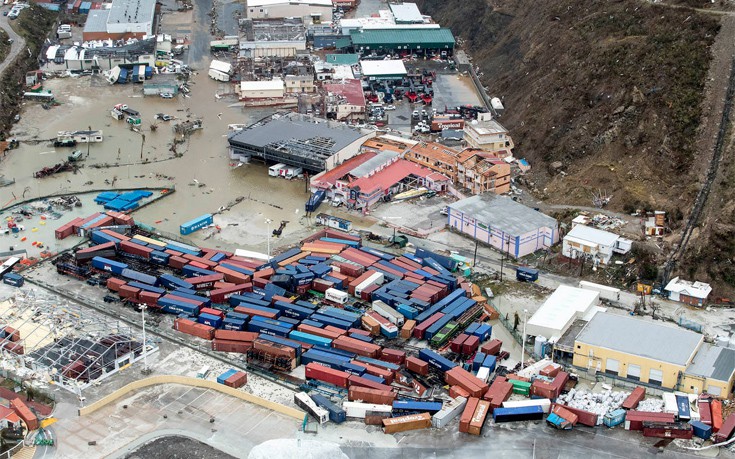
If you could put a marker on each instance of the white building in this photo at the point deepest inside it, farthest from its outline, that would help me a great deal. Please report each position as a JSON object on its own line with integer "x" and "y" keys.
{"x": 124, "y": 19}
{"x": 318, "y": 11}
{"x": 383, "y": 69}
{"x": 600, "y": 245}
{"x": 261, "y": 90}
{"x": 694, "y": 293}
{"x": 487, "y": 134}
{"x": 561, "y": 309}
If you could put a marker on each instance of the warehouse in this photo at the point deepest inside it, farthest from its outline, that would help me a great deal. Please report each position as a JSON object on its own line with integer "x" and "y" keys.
{"x": 123, "y": 20}
{"x": 406, "y": 13}
{"x": 383, "y": 69}
{"x": 712, "y": 371}
{"x": 271, "y": 38}
{"x": 262, "y": 90}
{"x": 503, "y": 224}
{"x": 637, "y": 350}
{"x": 298, "y": 140}
{"x": 561, "y": 309}
{"x": 403, "y": 41}
{"x": 316, "y": 11}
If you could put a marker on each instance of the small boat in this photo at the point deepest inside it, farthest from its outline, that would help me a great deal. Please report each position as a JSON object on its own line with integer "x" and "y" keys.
{"x": 410, "y": 194}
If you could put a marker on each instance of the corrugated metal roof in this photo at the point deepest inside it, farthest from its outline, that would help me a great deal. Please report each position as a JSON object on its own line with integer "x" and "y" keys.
{"x": 713, "y": 362}
{"x": 639, "y": 337}
{"x": 96, "y": 21}
{"x": 406, "y": 12}
{"x": 343, "y": 59}
{"x": 504, "y": 214}
{"x": 404, "y": 37}
{"x": 589, "y": 234}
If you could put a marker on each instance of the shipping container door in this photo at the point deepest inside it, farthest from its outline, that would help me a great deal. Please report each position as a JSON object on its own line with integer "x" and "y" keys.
{"x": 656, "y": 377}
{"x": 634, "y": 372}
{"x": 612, "y": 366}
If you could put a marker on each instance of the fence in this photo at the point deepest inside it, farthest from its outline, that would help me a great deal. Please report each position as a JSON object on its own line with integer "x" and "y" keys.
{"x": 195, "y": 382}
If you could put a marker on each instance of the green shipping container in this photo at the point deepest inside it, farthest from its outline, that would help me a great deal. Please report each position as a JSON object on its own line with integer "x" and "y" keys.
{"x": 520, "y": 387}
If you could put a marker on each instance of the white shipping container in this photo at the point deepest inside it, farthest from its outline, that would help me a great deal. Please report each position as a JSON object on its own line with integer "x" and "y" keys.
{"x": 376, "y": 278}
{"x": 336, "y": 296}
{"x": 389, "y": 313}
{"x": 544, "y": 403}
{"x": 303, "y": 401}
{"x": 275, "y": 170}
{"x": 358, "y": 410}
{"x": 483, "y": 374}
{"x": 448, "y": 413}
{"x": 218, "y": 76}
{"x": 606, "y": 292}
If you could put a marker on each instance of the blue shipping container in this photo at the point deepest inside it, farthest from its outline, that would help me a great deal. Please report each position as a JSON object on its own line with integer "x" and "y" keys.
{"x": 225, "y": 376}
{"x": 336, "y": 414}
{"x": 196, "y": 224}
{"x": 210, "y": 319}
{"x": 436, "y": 360}
{"x": 478, "y": 361}
{"x": 310, "y": 339}
{"x": 171, "y": 281}
{"x": 410, "y": 406}
{"x": 104, "y": 264}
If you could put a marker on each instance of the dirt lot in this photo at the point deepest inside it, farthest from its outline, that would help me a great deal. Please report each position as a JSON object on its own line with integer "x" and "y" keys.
{"x": 177, "y": 448}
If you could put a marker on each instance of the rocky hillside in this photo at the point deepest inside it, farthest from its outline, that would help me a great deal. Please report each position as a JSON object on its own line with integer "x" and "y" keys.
{"x": 609, "y": 88}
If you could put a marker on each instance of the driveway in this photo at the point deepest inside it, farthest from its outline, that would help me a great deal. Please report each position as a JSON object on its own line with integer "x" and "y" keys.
{"x": 15, "y": 48}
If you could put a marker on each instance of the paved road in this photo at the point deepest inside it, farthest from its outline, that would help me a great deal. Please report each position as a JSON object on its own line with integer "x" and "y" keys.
{"x": 15, "y": 48}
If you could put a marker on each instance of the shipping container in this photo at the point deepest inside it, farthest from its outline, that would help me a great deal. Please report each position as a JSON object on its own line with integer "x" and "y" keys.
{"x": 417, "y": 366}
{"x": 634, "y": 419}
{"x": 667, "y": 429}
{"x": 104, "y": 264}
{"x": 224, "y": 345}
{"x": 614, "y": 418}
{"x": 477, "y": 422}
{"x": 389, "y": 313}
{"x": 328, "y": 375}
{"x": 635, "y": 397}
{"x": 359, "y": 410}
{"x": 449, "y": 412}
{"x": 367, "y": 395}
{"x": 441, "y": 363}
{"x": 304, "y": 401}
{"x": 13, "y": 279}
{"x": 406, "y": 423}
{"x": 725, "y": 431}
{"x": 196, "y": 224}
{"x": 336, "y": 414}
{"x": 701, "y": 429}
{"x": 467, "y": 414}
{"x": 410, "y": 406}
{"x": 526, "y": 413}
{"x": 585, "y": 417}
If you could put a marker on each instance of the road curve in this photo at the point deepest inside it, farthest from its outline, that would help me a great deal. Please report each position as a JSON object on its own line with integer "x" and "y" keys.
{"x": 18, "y": 43}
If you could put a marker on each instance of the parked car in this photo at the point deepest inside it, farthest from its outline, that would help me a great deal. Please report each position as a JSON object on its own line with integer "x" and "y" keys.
{"x": 164, "y": 117}
{"x": 167, "y": 95}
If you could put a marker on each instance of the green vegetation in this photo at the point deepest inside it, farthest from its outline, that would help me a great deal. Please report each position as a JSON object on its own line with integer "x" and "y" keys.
{"x": 4, "y": 45}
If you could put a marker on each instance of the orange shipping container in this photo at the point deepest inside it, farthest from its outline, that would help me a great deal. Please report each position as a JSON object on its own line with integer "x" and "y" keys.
{"x": 467, "y": 414}
{"x": 23, "y": 412}
{"x": 478, "y": 419}
{"x": 407, "y": 329}
{"x": 405, "y": 423}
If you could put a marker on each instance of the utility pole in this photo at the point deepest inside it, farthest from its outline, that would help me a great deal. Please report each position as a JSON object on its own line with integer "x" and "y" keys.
{"x": 143, "y": 307}
{"x": 142, "y": 143}
{"x": 89, "y": 140}
{"x": 523, "y": 343}
{"x": 268, "y": 222}
{"x": 474, "y": 261}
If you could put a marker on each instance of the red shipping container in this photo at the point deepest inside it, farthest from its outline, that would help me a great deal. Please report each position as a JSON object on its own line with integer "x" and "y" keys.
{"x": 367, "y": 292}
{"x": 417, "y": 366}
{"x": 127, "y": 291}
{"x": 212, "y": 311}
{"x": 223, "y": 345}
{"x": 149, "y": 298}
{"x": 705, "y": 411}
{"x": 384, "y": 373}
{"x": 367, "y": 395}
{"x": 199, "y": 303}
{"x": 634, "y": 419}
{"x": 393, "y": 356}
{"x": 264, "y": 273}
{"x": 410, "y": 262}
{"x": 560, "y": 381}
{"x": 356, "y": 346}
{"x": 15, "y": 348}
{"x": 369, "y": 383}
{"x": 107, "y": 221}
{"x": 23, "y": 412}
{"x": 543, "y": 389}
{"x": 318, "y": 331}
{"x": 337, "y": 330}
{"x": 114, "y": 284}
{"x": 175, "y": 253}
{"x": 281, "y": 298}
{"x": 716, "y": 407}
{"x": 550, "y": 371}
{"x": 585, "y": 417}
{"x": 135, "y": 249}
{"x": 456, "y": 344}
{"x": 726, "y": 430}
{"x": 11, "y": 334}
{"x": 274, "y": 349}
{"x": 192, "y": 328}
{"x": 197, "y": 265}
{"x": 97, "y": 248}
{"x": 456, "y": 391}
{"x": 470, "y": 345}
{"x": 208, "y": 264}
{"x": 204, "y": 282}
{"x": 176, "y": 262}
{"x": 466, "y": 380}
{"x": 235, "y": 335}
{"x": 321, "y": 285}
{"x": 237, "y": 380}
{"x": 667, "y": 430}
{"x": 421, "y": 328}
{"x": 232, "y": 276}
{"x": 565, "y": 414}
{"x": 499, "y": 392}
{"x": 260, "y": 282}
{"x": 492, "y": 347}
{"x": 221, "y": 295}
{"x": 328, "y": 375}
{"x": 359, "y": 280}
{"x": 359, "y": 331}
{"x": 222, "y": 284}
{"x": 466, "y": 416}
{"x": 478, "y": 418}
{"x": 67, "y": 229}
{"x": 635, "y": 397}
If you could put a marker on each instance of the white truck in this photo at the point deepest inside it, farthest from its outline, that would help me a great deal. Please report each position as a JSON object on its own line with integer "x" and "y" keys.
{"x": 275, "y": 170}
{"x": 290, "y": 172}
{"x": 388, "y": 312}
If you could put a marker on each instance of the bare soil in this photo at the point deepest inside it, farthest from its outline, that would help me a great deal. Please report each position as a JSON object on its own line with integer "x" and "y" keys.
{"x": 177, "y": 448}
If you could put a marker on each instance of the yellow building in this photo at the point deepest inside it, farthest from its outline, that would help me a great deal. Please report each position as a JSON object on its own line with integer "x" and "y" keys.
{"x": 635, "y": 349}
{"x": 712, "y": 371}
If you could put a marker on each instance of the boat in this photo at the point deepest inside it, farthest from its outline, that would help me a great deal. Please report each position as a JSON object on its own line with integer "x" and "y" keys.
{"x": 410, "y": 194}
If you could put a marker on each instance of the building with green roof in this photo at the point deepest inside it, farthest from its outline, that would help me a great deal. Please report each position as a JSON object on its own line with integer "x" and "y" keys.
{"x": 343, "y": 59}
{"x": 418, "y": 41}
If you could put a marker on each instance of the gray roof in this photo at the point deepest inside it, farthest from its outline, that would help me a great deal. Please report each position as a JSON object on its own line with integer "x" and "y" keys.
{"x": 131, "y": 11}
{"x": 504, "y": 214}
{"x": 97, "y": 21}
{"x": 406, "y": 12}
{"x": 373, "y": 163}
{"x": 639, "y": 337}
{"x": 323, "y": 135}
{"x": 713, "y": 362}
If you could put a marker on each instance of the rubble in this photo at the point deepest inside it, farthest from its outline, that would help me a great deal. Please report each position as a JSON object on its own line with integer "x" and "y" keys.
{"x": 598, "y": 403}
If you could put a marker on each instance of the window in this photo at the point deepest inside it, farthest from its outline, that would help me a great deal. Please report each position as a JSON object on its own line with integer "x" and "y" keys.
{"x": 656, "y": 377}
{"x": 612, "y": 366}
{"x": 634, "y": 372}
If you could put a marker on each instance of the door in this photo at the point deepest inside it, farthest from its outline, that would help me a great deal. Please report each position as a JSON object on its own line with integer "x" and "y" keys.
{"x": 634, "y": 372}
{"x": 656, "y": 377}
{"x": 612, "y": 366}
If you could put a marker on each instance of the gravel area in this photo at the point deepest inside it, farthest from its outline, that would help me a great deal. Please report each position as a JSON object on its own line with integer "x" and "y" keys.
{"x": 177, "y": 448}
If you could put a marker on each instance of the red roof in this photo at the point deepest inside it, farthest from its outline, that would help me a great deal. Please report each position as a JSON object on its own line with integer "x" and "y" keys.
{"x": 351, "y": 90}
{"x": 9, "y": 414}
{"x": 329, "y": 178}
{"x": 393, "y": 174}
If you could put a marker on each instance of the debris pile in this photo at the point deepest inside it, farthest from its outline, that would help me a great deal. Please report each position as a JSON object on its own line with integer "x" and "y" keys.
{"x": 653, "y": 405}
{"x": 598, "y": 403}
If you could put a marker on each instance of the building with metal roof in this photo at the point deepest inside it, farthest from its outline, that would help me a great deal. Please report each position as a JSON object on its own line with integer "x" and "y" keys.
{"x": 393, "y": 69}
{"x": 406, "y": 13}
{"x": 560, "y": 310}
{"x": 503, "y": 224}
{"x": 342, "y": 59}
{"x": 314, "y": 10}
{"x": 586, "y": 241}
{"x": 124, "y": 19}
{"x": 636, "y": 349}
{"x": 712, "y": 371}
{"x": 412, "y": 41}
{"x": 298, "y": 140}
{"x": 694, "y": 293}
